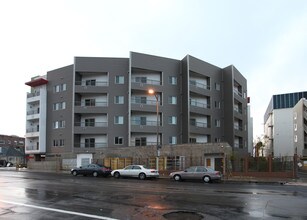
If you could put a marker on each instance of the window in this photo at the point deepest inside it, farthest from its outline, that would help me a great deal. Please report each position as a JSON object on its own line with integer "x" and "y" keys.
{"x": 90, "y": 102}
{"x": 90, "y": 82}
{"x": 89, "y": 142}
{"x": 217, "y": 104}
{"x": 217, "y": 86}
{"x": 58, "y": 124}
{"x": 172, "y": 140}
{"x": 59, "y": 106}
{"x": 295, "y": 138}
{"x": 90, "y": 122}
{"x": 217, "y": 123}
{"x": 172, "y": 80}
{"x": 119, "y": 80}
{"x": 142, "y": 141}
{"x": 192, "y": 140}
{"x": 295, "y": 115}
{"x": 59, "y": 88}
{"x": 119, "y": 100}
{"x": 119, "y": 140}
{"x": 193, "y": 121}
{"x": 2, "y": 141}
{"x": 119, "y": 120}
{"x": 217, "y": 140}
{"x": 58, "y": 143}
{"x": 172, "y": 100}
{"x": 172, "y": 120}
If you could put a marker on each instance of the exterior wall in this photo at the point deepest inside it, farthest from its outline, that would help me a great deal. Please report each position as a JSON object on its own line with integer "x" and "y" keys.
{"x": 55, "y": 78}
{"x": 91, "y": 90}
{"x": 279, "y": 124}
{"x": 36, "y": 119}
{"x": 283, "y": 132}
{"x": 300, "y": 128}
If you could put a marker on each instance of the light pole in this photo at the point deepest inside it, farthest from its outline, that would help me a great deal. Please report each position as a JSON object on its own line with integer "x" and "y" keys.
{"x": 152, "y": 92}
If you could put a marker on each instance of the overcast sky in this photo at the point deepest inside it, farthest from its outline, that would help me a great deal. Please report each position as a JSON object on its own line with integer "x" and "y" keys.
{"x": 265, "y": 40}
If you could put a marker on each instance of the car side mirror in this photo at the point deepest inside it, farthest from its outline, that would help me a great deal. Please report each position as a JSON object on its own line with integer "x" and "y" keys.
{"x": 185, "y": 171}
{"x": 80, "y": 166}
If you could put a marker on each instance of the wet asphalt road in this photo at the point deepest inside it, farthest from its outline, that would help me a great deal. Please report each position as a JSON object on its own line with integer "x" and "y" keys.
{"x": 39, "y": 195}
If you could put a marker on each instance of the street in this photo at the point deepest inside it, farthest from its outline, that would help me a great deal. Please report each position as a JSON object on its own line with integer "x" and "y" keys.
{"x": 42, "y": 195}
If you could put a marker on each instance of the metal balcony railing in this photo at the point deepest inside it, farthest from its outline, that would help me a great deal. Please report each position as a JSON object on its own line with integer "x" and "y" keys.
{"x": 91, "y": 83}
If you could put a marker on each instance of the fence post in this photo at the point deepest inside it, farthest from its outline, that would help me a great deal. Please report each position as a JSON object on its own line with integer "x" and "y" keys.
{"x": 294, "y": 175}
{"x": 270, "y": 164}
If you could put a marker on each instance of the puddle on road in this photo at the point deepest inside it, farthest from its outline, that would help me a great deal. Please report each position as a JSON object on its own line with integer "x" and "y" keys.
{"x": 183, "y": 215}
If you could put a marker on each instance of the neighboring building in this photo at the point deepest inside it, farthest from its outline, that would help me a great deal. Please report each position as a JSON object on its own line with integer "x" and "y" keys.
{"x": 12, "y": 150}
{"x": 300, "y": 129}
{"x": 82, "y": 110}
{"x": 250, "y": 139}
{"x": 278, "y": 124}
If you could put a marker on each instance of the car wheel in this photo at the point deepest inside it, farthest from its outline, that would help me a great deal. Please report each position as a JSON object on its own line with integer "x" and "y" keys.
{"x": 95, "y": 174}
{"x": 177, "y": 177}
{"x": 116, "y": 174}
{"x": 142, "y": 176}
{"x": 207, "y": 179}
{"x": 74, "y": 173}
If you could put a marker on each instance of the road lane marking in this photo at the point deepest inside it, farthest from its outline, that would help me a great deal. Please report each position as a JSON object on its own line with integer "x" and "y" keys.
{"x": 58, "y": 210}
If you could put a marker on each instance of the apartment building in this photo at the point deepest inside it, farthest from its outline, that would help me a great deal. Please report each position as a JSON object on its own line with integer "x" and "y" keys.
{"x": 99, "y": 103}
{"x": 300, "y": 129}
{"x": 279, "y": 124}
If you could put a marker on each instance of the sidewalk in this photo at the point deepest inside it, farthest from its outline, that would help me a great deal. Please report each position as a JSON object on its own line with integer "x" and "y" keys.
{"x": 281, "y": 181}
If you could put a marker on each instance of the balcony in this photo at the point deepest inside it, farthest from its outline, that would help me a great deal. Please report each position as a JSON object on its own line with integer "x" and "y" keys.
{"x": 141, "y": 126}
{"x": 199, "y": 128}
{"x": 91, "y": 107}
{"x": 198, "y": 87}
{"x": 90, "y": 128}
{"x": 91, "y": 145}
{"x": 86, "y": 86}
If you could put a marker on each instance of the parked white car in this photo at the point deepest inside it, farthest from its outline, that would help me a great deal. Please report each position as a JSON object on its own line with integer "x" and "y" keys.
{"x": 139, "y": 171}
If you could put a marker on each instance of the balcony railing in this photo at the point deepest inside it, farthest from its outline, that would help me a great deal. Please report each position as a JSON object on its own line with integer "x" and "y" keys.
{"x": 199, "y": 85}
{"x": 29, "y": 148}
{"x": 238, "y": 127}
{"x": 145, "y": 123}
{"x": 199, "y": 124}
{"x": 91, "y": 145}
{"x": 237, "y": 109}
{"x": 91, "y": 124}
{"x": 139, "y": 100}
{"x": 145, "y": 81}
{"x": 31, "y": 95}
{"x": 33, "y": 112}
{"x": 199, "y": 104}
{"x": 31, "y": 130}
{"x": 91, "y": 104}
{"x": 92, "y": 83}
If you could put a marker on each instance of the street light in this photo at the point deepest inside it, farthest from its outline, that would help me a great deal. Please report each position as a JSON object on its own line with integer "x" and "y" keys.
{"x": 152, "y": 92}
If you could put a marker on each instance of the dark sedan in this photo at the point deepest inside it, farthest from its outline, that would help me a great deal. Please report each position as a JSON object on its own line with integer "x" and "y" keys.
{"x": 92, "y": 169}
